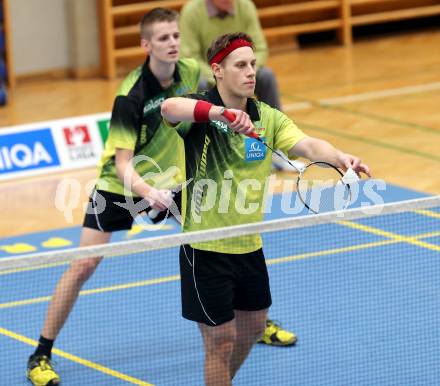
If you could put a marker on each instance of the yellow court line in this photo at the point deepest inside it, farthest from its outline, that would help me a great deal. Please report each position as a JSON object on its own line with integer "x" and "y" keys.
{"x": 329, "y": 252}
{"x": 95, "y": 291}
{"x": 347, "y": 249}
{"x": 48, "y": 265}
{"x": 394, "y": 236}
{"x": 23, "y": 269}
{"x": 177, "y": 277}
{"x": 76, "y": 359}
{"x": 429, "y": 213}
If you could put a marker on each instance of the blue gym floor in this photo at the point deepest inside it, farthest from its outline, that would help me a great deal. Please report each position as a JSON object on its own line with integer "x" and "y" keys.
{"x": 361, "y": 297}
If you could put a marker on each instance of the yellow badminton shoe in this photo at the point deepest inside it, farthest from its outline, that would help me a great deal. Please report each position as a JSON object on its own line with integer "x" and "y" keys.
{"x": 41, "y": 372}
{"x": 274, "y": 335}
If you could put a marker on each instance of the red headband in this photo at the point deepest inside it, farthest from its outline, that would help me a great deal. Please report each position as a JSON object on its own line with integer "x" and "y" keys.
{"x": 233, "y": 45}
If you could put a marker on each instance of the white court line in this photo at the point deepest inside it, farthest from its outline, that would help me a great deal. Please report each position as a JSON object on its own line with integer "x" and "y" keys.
{"x": 363, "y": 96}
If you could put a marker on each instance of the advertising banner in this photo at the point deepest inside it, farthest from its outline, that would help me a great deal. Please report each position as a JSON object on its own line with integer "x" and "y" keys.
{"x": 58, "y": 145}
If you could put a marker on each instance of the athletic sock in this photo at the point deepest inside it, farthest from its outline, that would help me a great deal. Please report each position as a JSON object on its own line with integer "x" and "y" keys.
{"x": 44, "y": 347}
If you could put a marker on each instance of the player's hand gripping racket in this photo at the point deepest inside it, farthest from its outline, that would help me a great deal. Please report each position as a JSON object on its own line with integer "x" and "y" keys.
{"x": 321, "y": 186}
{"x": 156, "y": 215}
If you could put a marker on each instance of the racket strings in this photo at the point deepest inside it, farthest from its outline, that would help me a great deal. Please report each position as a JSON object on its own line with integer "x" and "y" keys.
{"x": 321, "y": 188}
{"x": 320, "y": 185}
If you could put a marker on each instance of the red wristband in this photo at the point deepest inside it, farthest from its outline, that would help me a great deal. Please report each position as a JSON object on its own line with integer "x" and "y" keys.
{"x": 201, "y": 111}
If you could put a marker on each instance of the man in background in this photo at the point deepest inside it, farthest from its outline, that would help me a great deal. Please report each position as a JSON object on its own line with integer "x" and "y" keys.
{"x": 202, "y": 21}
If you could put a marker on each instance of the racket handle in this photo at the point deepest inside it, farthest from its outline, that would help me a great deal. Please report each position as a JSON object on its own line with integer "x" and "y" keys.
{"x": 153, "y": 213}
{"x": 230, "y": 116}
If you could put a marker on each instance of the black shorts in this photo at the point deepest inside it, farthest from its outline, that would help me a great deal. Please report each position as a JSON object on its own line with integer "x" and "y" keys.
{"x": 214, "y": 284}
{"x": 104, "y": 214}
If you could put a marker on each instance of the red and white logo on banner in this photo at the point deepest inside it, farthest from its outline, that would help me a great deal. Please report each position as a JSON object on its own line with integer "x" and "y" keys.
{"x": 79, "y": 143}
{"x": 77, "y": 135}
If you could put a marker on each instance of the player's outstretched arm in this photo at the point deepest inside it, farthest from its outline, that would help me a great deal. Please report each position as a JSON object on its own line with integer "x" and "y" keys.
{"x": 193, "y": 110}
{"x": 316, "y": 149}
{"x": 178, "y": 109}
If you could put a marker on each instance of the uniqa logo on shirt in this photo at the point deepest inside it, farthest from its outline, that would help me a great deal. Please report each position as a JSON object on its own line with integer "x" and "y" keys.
{"x": 254, "y": 150}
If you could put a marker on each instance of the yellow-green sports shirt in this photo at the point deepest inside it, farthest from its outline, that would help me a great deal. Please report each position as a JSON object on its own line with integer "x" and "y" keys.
{"x": 136, "y": 124}
{"x": 229, "y": 172}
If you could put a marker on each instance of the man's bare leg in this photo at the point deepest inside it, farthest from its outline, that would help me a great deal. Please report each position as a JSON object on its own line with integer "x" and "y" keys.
{"x": 250, "y": 326}
{"x": 69, "y": 286}
{"x": 219, "y": 345}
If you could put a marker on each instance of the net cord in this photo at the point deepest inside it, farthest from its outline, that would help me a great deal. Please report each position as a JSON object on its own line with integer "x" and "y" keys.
{"x": 174, "y": 240}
